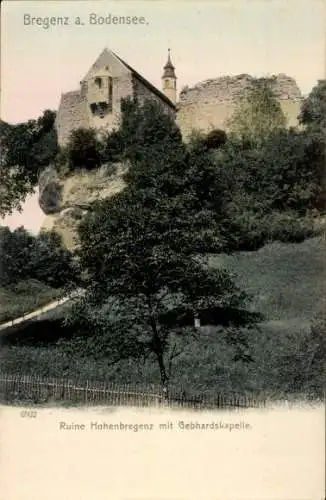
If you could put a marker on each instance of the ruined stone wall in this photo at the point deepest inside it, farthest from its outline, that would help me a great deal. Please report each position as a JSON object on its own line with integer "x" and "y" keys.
{"x": 72, "y": 114}
{"x": 207, "y": 105}
{"x": 210, "y": 104}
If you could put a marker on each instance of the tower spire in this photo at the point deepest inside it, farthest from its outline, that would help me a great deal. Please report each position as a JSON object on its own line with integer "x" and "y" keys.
{"x": 169, "y": 68}
{"x": 169, "y": 79}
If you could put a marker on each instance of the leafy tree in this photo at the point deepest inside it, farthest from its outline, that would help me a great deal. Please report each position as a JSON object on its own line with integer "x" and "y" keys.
{"x": 24, "y": 149}
{"x": 15, "y": 249}
{"x": 258, "y": 113}
{"x": 50, "y": 262}
{"x": 146, "y": 282}
{"x": 313, "y": 110}
{"x": 41, "y": 257}
{"x": 270, "y": 188}
{"x": 294, "y": 169}
{"x": 83, "y": 149}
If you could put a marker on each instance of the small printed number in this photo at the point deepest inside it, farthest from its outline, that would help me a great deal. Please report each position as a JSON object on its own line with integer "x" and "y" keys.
{"x": 28, "y": 414}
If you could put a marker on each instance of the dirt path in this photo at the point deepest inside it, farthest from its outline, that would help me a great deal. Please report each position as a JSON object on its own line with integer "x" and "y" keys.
{"x": 40, "y": 310}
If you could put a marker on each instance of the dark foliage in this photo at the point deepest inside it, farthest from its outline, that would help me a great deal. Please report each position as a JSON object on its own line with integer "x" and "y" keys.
{"x": 215, "y": 139}
{"x": 112, "y": 148}
{"x": 140, "y": 248}
{"x": 313, "y": 111}
{"x": 42, "y": 257}
{"x": 25, "y": 148}
{"x": 83, "y": 149}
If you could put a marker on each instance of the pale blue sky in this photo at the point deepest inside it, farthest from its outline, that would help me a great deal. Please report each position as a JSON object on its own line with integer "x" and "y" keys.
{"x": 208, "y": 39}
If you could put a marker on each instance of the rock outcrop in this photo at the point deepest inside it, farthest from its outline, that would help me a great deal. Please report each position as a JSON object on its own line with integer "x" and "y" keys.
{"x": 66, "y": 200}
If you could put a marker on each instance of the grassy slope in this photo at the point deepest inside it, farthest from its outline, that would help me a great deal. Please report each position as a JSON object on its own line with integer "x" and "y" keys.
{"x": 285, "y": 280}
{"x": 24, "y": 297}
{"x": 287, "y": 284}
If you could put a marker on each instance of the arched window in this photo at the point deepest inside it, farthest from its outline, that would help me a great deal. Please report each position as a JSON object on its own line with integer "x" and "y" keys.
{"x": 98, "y": 82}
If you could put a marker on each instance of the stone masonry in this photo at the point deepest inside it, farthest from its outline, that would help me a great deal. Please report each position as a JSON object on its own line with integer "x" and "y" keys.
{"x": 210, "y": 103}
{"x": 97, "y": 103}
{"x": 205, "y": 106}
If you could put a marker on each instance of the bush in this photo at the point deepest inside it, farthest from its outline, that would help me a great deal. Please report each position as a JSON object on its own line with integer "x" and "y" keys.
{"x": 113, "y": 147}
{"x": 303, "y": 371}
{"x": 83, "y": 149}
{"x": 215, "y": 139}
{"x": 61, "y": 162}
{"x": 251, "y": 230}
{"x": 288, "y": 227}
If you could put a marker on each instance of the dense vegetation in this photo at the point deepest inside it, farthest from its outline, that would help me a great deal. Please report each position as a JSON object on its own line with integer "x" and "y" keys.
{"x": 287, "y": 352}
{"x": 154, "y": 257}
{"x": 34, "y": 270}
{"x": 25, "y": 148}
{"x": 24, "y": 297}
{"x": 258, "y": 114}
{"x": 42, "y": 257}
{"x": 141, "y": 249}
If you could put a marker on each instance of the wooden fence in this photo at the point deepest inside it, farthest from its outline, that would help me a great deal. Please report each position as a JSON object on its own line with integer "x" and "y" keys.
{"x": 31, "y": 389}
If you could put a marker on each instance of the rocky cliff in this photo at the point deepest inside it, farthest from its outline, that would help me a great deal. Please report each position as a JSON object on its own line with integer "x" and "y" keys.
{"x": 66, "y": 200}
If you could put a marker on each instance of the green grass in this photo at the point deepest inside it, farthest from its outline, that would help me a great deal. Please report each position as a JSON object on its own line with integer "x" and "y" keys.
{"x": 286, "y": 282}
{"x": 24, "y": 297}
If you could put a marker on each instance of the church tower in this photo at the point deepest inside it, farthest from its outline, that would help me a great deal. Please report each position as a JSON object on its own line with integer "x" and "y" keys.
{"x": 169, "y": 81}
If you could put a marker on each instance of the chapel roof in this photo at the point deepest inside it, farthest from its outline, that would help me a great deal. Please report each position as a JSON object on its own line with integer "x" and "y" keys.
{"x": 135, "y": 73}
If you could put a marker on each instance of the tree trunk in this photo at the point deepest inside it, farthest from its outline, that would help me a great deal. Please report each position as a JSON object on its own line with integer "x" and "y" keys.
{"x": 158, "y": 350}
{"x": 164, "y": 376}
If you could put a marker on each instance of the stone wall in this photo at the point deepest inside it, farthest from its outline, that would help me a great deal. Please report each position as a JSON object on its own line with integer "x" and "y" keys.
{"x": 72, "y": 113}
{"x": 211, "y": 103}
{"x": 208, "y": 116}
{"x": 75, "y": 112}
{"x": 122, "y": 87}
{"x": 207, "y": 105}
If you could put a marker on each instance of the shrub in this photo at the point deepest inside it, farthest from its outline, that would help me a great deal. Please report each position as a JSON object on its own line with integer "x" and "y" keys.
{"x": 83, "y": 149}
{"x": 251, "y": 230}
{"x": 288, "y": 227}
{"x": 215, "y": 139}
{"x": 113, "y": 147}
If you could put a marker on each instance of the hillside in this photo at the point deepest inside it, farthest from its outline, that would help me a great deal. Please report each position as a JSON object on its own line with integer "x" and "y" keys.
{"x": 287, "y": 285}
{"x": 24, "y": 297}
{"x": 285, "y": 280}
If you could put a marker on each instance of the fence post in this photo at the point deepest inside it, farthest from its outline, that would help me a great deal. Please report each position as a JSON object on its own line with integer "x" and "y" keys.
{"x": 86, "y": 392}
